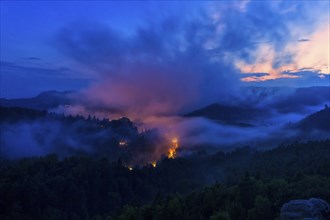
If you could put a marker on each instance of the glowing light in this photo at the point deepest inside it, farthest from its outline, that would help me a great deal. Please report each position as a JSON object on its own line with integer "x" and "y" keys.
{"x": 122, "y": 143}
{"x": 174, "y": 147}
{"x": 171, "y": 153}
{"x": 130, "y": 168}
{"x": 175, "y": 142}
{"x": 154, "y": 164}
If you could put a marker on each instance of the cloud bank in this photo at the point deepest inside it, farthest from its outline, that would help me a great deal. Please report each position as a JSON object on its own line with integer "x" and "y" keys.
{"x": 173, "y": 64}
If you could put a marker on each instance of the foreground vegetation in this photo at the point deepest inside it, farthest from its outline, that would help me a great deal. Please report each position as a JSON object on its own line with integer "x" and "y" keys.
{"x": 243, "y": 184}
{"x": 252, "y": 198}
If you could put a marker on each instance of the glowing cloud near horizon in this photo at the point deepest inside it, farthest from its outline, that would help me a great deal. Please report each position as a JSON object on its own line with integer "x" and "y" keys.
{"x": 311, "y": 54}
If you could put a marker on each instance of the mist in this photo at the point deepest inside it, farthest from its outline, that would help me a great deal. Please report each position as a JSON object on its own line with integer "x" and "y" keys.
{"x": 173, "y": 64}
{"x": 169, "y": 66}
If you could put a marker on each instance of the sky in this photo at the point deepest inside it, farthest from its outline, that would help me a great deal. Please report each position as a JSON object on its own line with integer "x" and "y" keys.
{"x": 154, "y": 61}
{"x": 191, "y": 50}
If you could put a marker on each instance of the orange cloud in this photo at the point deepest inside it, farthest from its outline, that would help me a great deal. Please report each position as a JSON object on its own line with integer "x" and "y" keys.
{"x": 315, "y": 52}
{"x": 312, "y": 54}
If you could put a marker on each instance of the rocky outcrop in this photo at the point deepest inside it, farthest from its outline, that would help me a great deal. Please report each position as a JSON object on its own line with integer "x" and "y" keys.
{"x": 312, "y": 209}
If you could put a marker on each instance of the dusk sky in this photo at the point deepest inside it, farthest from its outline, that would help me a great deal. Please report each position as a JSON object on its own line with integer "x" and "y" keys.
{"x": 123, "y": 47}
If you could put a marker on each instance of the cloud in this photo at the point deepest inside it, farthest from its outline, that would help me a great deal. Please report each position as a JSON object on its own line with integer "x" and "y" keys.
{"x": 171, "y": 65}
{"x": 266, "y": 34}
{"x": 174, "y": 63}
{"x": 33, "y": 58}
{"x": 302, "y": 100}
{"x": 313, "y": 54}
{"x": 302, "y": 78}
{"x": 251, "y": 36}
{"x": 162, "y": 69}
{"x": 303, "y": 40}
{"x": 31, "y": 80}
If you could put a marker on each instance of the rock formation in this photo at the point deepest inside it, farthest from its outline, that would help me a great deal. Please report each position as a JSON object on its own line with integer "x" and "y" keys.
{"x": 312, "y": 209}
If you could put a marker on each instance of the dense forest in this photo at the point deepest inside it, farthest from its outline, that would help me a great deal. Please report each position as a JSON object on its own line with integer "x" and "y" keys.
{"x": 42, "y": 133}
{"x": 164, "y": 110}
{"x": 248, "y": 185}
{"x": 120, "y": 180}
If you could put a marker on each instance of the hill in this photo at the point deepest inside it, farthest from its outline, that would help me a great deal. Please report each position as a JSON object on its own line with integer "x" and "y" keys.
{"x": 228, "y": 114}
{"x": 43, "y": 101}
{"x": 319, "y": 120}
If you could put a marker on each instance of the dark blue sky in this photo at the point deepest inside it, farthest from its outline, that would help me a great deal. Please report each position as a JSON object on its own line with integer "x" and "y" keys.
{"x": 71, "y": 45}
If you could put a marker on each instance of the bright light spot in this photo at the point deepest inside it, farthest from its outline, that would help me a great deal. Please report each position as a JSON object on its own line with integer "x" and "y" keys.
{"x": 154, "y": 164}
{"x": 174, "y": 147}
{"x": 123, "y": 143}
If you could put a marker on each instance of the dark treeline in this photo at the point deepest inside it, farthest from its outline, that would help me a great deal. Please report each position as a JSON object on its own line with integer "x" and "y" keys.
{"x": 243, "y": 184}
{"x": 28, "y": 132}
{"x": 91, "y": 176}
{"x": 251, "y": 198}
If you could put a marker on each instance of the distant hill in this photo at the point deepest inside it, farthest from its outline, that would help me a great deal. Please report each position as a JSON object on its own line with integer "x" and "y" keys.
{"x": 318, "y": 120}
{"x": 235, "y": 115}
{"x": 43, "y": 101}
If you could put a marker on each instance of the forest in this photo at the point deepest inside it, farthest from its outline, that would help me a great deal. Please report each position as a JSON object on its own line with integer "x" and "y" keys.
{"x": 164, "y": 110}
{"x": 241, "y": 184}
